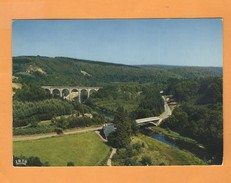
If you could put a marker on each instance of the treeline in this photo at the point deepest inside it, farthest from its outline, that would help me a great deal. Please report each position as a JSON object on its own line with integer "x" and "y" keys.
{"x": 199, "y": 91}
{"x": 200, "y": 115}
{"x": 67, "y": 71}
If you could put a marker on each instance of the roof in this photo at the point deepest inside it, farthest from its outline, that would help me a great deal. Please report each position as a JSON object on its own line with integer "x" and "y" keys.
{"x": 108, "y": 129}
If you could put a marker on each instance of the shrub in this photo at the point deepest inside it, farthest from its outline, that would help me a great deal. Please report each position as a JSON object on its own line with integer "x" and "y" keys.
{"x": 59, "y": 131}
{"x": 146, "y": 160}
{"x": 70, "y": 163}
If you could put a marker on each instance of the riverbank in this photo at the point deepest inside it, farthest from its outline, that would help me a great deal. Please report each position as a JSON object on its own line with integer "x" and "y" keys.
{"x": 181, "y": 142}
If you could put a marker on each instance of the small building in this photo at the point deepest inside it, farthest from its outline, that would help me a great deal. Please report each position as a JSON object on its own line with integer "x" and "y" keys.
{"x": 107, "y": 129}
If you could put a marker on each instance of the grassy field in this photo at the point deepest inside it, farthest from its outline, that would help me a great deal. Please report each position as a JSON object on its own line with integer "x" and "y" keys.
{"x": 162, "y": 154}
{"x": 84, "y": 149}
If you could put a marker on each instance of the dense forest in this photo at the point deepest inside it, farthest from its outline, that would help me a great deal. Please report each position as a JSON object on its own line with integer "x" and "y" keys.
{"x": 68, "y": 71}
{"x": 199, "y": 114}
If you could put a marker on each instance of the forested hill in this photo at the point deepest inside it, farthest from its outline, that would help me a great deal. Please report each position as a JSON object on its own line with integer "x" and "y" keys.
{"x": 68, "y": 71}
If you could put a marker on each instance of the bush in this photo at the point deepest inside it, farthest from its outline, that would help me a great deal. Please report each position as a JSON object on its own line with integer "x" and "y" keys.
{"x": 131, "y": 162}
{"x": 146, "y": 160}
{"x": 70, "y": 163}
{"x": 59, "y": 131}
{"x": 137, "y": 147}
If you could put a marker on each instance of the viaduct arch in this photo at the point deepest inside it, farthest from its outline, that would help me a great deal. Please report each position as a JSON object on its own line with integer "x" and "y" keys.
{"x": 71, "y": 89}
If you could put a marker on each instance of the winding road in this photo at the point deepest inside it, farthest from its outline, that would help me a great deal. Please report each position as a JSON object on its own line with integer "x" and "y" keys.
{"x": 167, "y": 112}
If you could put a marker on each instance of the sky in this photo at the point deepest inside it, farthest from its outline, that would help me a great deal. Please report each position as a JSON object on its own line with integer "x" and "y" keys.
{"x": 188, "y": 42}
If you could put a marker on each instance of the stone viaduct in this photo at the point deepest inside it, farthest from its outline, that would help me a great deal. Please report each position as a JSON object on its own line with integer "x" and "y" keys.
{"x": 71, "y": 90}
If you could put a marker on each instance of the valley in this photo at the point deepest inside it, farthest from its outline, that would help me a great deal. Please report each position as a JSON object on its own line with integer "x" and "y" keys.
{"x": 48, "y": 121}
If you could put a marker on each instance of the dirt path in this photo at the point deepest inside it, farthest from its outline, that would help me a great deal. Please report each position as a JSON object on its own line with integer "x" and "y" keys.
{"x": 111, "y": 155}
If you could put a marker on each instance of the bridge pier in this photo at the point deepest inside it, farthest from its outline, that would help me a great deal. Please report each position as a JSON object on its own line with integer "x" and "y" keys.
{"x": 88, "y": 93}
{"x": 79, "y": 91}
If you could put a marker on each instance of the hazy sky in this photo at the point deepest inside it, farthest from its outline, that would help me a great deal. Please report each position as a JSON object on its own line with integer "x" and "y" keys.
{"x": 136, "y": 41}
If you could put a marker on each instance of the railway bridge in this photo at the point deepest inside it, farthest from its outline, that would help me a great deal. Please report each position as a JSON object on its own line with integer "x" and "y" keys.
{"x": 70, "y": 91}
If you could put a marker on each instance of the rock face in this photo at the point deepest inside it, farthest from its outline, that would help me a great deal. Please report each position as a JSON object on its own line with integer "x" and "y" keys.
{"x": 85, "y": 73}
{"x": 32, "y": 69}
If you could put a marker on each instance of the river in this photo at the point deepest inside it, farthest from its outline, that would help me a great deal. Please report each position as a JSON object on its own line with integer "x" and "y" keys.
{"x": 161, "y": 138}
{"x": 177, "y": 143}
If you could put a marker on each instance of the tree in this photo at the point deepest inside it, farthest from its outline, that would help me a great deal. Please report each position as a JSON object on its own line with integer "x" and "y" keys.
{"x": 112, "y": 139}
{"x": 134, "y": 127}
{"x": 122, "y": 136}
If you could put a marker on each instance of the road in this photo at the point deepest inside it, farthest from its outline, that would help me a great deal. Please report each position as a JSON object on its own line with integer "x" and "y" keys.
{"x": 41, "y": 136}
{"x": 167, "y": 112}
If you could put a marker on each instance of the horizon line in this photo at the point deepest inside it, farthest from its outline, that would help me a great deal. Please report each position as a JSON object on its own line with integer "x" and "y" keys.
{"x": 116, "y": 63}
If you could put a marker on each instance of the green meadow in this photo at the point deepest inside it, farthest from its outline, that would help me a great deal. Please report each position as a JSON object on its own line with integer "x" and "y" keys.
{"x": 84, "y": 149}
